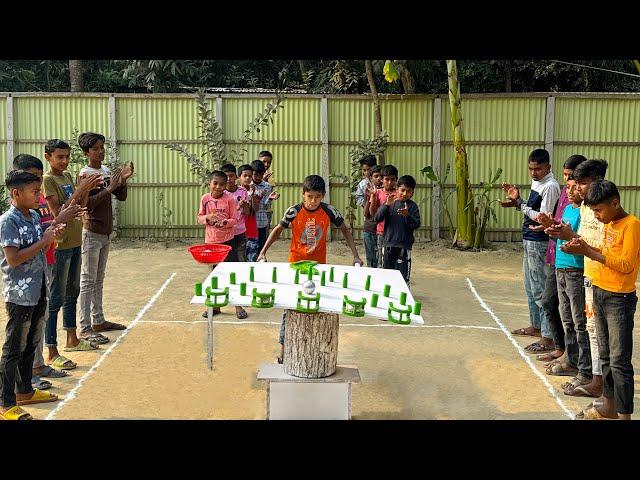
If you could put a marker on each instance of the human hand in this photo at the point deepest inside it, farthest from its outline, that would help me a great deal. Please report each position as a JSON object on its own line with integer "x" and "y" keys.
{"x": 537, "y": 228}
{"x": 86, "y": 183}
{"x": 404, "y": 211}
{"x": 507, "y": 203}
{"x": 576, "y": 246}
{"x": 390, "y": 198}
{"x": 561, "y": 230}
{"x": 69, "y": 212}
{"x": 267, "y": 176}
{"x": 274, "y": 196}
{"x": 116, "y": 179}
{"x": 53, "y": 232}
{"x": 545, "y": 220}
{"x": 127, "y": 172}
{"x": 262, "y": 257}
{"x": 357, "y": 261}
{"x": 221, "y": 223}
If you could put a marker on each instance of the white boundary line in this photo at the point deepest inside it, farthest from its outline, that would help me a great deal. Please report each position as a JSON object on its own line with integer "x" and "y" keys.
{"x": 521, "y": 351}
{"x": 72, "y": 394}
{"x": 231, "y": 322}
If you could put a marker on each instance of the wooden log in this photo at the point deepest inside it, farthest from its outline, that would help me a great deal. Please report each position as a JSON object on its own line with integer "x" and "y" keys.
{"x": 311, "y": 344}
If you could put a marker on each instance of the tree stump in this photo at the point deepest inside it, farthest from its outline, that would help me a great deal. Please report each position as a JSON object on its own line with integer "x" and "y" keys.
{"x": 311, "y": 344}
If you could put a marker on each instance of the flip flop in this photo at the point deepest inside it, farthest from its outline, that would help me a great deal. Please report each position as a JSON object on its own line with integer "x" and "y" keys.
{"x": 95, "y": 338}
{"x": 215, "y": 312}
{"x": 52, "y": 372}
{"x": 593, "y": 414}
{"x": 37, "y": 382}
{"x": 15, "y": 413}
{"x": 242, "y": 315}
{"x": 39, "y": 397}
{"x": 537, "y": 347}
{"x": 522, "y": 332}
{"x": 560, "y": 370}
{"x": 579, "y": 391}
{"x": 83, "y": 346}
{"x": 63, "y": 363}
{"x": 108, "y": 326}
{"x": 575, "y": 382}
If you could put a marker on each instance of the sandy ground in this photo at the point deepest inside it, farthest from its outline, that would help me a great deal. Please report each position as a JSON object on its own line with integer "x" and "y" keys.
{"x": 444, "y": 370}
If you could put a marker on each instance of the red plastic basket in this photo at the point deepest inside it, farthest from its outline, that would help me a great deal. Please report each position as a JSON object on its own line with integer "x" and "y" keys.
{"x": 209, "y": 252}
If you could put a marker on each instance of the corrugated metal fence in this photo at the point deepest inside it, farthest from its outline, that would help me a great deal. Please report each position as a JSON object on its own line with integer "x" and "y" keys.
{"x": 314, "y": 133}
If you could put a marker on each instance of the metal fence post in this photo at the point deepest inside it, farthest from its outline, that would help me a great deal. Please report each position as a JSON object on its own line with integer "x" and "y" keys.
{"x": 548, "y": 134}
{"x": 219, "y": 112}
{"x": 324, "y": 137}
{"x": 10, "y": 138}
{"x": 436, "y": 163}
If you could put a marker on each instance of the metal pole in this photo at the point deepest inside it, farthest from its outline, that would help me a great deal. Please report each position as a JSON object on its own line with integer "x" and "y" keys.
{"x": 436, "y": 162}
{"x": 324, "y": 137}
{"x": 548, "y": 135}
{"x": 10, "y": 138}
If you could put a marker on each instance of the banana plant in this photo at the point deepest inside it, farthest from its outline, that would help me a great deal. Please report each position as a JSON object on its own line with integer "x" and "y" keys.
{"x": 483, "y": 210}
{"x": 431, "y": 174}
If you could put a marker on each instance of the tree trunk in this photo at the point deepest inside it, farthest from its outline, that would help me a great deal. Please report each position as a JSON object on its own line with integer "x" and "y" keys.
{"x": 76, "y": 75}
{"x": 311, "y": 344}
{"x": 507, "y": 76}
{"x": 303, "y": 71}
{"x": 408, "y": 83}
{"x": 637, "y": 64}
{"x": 464, "y": 195}
{"x": 376, "y": 104}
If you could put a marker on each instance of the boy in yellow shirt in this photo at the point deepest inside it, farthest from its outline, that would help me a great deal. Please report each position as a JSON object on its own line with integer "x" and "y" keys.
{"x": 614, "y": 296}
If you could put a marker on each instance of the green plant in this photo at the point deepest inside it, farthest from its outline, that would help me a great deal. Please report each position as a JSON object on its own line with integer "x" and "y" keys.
{"x": 444, "y": 200}
{"x": 483, "y": 210}
{"x": 166, "y": 214}
{"x": 5, "y": 203}
{"x": 375, "y": 146}
{"x": 214, "y": 156}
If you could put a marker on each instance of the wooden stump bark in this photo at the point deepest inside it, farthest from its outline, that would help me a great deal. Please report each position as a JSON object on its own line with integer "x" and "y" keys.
{"x": 311, "y": 344}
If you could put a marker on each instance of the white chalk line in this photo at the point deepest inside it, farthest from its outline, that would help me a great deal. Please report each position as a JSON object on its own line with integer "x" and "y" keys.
{"x": 384, "y": 325}
{"x": 72, "y": 394}
{"x": 521, "y": 351}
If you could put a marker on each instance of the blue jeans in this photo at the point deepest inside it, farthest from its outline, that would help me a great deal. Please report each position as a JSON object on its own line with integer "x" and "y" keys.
{"x": 535, "y": 278}
{"x": 253, "y": 249}
{"x": 371, "y": 248}
{"x": 65, "y": 288}
{"x": 614, "y": 325}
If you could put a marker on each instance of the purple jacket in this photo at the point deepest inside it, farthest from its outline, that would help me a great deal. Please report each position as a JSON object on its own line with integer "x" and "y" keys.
{"x": 563, "y": 201}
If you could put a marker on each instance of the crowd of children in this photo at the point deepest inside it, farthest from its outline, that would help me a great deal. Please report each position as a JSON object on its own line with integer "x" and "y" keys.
{"x": 581, "y": 261}
{"x": 55, "y": 243}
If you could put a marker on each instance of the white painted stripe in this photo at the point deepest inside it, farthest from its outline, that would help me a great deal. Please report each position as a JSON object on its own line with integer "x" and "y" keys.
{"x": 72, "y": 394}
{"x": 521, "y": 351}
{"x": 232, "y": 322}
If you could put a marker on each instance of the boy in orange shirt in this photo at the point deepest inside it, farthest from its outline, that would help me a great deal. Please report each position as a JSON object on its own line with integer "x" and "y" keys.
{"x": 310, "y": 222}
{"x": 614, "y": 296}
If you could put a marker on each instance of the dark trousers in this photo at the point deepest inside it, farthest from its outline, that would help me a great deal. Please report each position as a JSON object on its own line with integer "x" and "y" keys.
{"x": 614, "y": 324}
{"x": 232, "y": 256}
{"x": 574, "y": 319}
{"x": 550, "y": 305}
{"x": 23, "y": 333}
{"x": 65, "y": 288}
{"x": 397, "y": 258}
{"x": 370, "y": 240}
{"x": 240, "y": 247}
{"x": 263, "y": 233}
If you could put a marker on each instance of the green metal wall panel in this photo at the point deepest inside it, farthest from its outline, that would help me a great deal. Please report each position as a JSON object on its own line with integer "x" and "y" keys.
{"x": 157, "y": 118}
{"x": 499, "y": 119}
{"x": 597, "y": 120}
{"x": 350, "y": 119}
{"x": 408, "y": 120}
{"x": 298, "y": 120}
{"x": 624, "y": 161}
{"x": 43, "y": 118}
{"x": 3, "y": 162}
{"x": 156, "y": 164}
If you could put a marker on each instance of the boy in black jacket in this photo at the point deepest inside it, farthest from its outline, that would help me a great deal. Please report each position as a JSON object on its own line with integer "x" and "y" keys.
{"x": 401, "y": 217}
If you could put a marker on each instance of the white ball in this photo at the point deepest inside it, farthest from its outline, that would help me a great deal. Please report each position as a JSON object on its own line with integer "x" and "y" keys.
{"x": 309, "y": 287}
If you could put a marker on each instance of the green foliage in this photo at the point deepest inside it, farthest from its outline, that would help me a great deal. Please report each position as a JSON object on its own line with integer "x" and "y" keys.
{"x": 5, "y": 202}
{"x": 214, "y": 156}
{"x": 483, "y": 210}
{"x": 166, "y": 214}
{"x": 431, "y": 174}
{"x": 375, "y": 146}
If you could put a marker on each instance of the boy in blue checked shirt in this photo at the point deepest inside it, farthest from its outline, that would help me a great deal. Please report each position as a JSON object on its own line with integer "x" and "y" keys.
{"x": 24, "y": 289}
